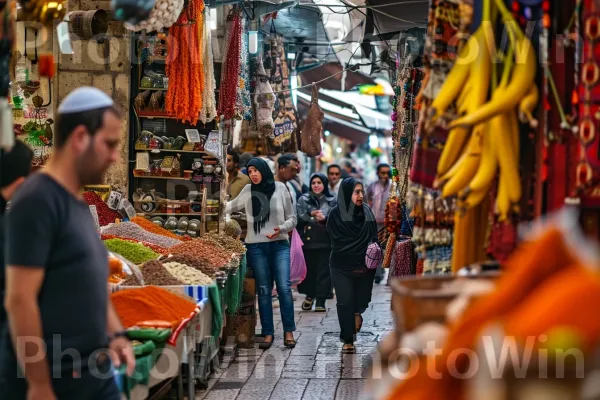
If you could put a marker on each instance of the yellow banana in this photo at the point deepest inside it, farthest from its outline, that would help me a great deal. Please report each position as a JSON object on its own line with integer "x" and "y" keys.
{"x": 528, "y": 105}
{"x": 506, "y": 98}
{"x": 483, "y": 178}
{"x": 515, "y": 129}
{"x": 508, "y": 159}
{"x": 456, "y": 78}
{"x": 476, "y": 197}
{"x": 478, "y": 86}
{"x": 457, "y": 166}
{"x": 452, "y": 149}
{"x": 502, "y": 200}
{"x": 468, "y": 167}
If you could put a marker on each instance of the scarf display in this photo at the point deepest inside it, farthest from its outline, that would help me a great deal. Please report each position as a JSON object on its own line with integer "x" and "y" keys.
{"x": 209, "y": 105}
{"x": 230, "y": 73}
{"x": 261, "y": 194}
{"x": 351, "y": 228}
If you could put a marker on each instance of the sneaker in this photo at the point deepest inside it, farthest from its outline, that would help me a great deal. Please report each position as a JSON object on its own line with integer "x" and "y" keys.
{"x": 320, "y": 307}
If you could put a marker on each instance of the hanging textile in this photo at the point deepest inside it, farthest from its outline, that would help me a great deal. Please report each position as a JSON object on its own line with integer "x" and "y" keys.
{"x": 283, "y": 137}
{"x": 185, "y": 67}
{"x": 230, "y": 73}
{"x": 209, "y": 106}
{"x": 433, "y": 216}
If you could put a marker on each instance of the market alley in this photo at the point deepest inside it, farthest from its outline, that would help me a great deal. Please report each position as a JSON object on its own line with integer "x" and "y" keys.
{"x": 315, "y": 369}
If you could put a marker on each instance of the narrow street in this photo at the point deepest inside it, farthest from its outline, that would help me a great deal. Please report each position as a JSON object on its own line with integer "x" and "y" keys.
{"x": 315, "y": 369}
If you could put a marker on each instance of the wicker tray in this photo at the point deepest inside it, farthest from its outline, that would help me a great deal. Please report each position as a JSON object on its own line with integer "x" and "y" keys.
{"x": 416, "y": 300}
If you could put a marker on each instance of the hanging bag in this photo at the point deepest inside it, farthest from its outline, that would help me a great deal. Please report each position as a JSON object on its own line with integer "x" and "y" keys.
{"x": 297, "y": 262}
{"x": 374, "y": 255}
{"x": 311, "y": 132}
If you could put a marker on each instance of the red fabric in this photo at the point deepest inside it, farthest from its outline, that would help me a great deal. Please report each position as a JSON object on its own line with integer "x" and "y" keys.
{"x": 503, "y": 240}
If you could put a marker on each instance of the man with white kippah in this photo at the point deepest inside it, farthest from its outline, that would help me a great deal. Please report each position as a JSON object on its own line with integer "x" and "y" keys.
{"x": 63, "y": 327}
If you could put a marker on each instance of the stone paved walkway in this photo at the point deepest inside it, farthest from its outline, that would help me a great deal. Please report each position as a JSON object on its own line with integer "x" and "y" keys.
{"x": 315, "y": 369}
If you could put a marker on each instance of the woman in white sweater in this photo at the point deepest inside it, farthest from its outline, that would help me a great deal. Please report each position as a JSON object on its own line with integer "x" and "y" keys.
{"x": 271, "y": 218}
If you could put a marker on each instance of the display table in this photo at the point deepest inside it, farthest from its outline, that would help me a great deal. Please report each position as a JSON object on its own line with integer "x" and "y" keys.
{"x": 162, "y": 367}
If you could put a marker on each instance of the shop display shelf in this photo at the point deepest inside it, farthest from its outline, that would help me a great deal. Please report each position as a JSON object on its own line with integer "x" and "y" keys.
{"x": 146, "y": 114}
{"x": 177, "y": 151}
{"x": 150, "y": 88}
{"x": 175, "y": 178}
{"x": 149, "y": 215}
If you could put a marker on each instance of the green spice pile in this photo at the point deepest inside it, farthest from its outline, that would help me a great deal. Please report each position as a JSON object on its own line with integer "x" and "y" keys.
{"x": 134, "y": 252}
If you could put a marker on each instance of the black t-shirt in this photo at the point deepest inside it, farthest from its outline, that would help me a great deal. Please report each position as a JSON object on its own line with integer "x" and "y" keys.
{"x": 2, "y": 312}
{"x": 47, "y": 227}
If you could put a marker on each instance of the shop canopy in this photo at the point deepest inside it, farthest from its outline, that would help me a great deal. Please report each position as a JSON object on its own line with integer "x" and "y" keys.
{"x": 338, "y": 79}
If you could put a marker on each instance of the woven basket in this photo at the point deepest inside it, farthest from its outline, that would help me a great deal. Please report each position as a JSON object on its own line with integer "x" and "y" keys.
{"x": 416, "y": 300}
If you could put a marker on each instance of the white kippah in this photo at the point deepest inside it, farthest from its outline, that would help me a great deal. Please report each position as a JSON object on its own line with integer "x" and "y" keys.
{"x": 85, "y": 99}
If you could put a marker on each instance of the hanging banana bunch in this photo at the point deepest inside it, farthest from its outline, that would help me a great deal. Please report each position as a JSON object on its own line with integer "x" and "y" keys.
{"x": 482, "y": 147}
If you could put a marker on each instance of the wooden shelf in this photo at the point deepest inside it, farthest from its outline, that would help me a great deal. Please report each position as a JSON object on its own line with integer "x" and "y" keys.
{"x": 155, "y": 115}
{"x": 175, "y": 178}
{"x": 171, "y": 214}
{"x": 158, "y": 89}
{"x": 178, "y": 151}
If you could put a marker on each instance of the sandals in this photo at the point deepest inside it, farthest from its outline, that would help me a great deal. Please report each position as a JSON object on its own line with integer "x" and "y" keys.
{"x": 348, "y": 349}
{"x": 266, "y": 345}
{"x": 359, "y": 324}
{"x": 320, "y": 307}
{"x": 289, "y": 343}
{"x": 307, "y": 304}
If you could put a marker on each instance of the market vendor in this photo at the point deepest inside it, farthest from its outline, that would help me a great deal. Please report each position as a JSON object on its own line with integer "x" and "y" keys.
{"x": 57, "y": 267}
{"x": 14, "y": 167}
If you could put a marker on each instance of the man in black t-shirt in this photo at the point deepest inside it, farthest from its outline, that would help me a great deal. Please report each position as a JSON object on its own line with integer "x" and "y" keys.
{"x": 57, "y": 268}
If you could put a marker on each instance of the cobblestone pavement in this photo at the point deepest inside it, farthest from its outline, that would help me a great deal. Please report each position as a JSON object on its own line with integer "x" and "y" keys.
{"x": 315, "y": 369}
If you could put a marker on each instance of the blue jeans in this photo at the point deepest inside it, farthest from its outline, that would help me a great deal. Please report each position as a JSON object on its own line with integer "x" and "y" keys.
{"x": 271, "y": 261}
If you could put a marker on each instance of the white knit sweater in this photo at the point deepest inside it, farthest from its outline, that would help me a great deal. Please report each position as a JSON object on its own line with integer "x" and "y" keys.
{"x": 282, "y": 214}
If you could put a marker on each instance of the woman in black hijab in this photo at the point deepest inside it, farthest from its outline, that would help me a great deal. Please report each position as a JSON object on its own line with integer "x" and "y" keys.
{"x": 352, "y": 227}
{"x": 313, "y": 210}
{"x": 271, "y": 218}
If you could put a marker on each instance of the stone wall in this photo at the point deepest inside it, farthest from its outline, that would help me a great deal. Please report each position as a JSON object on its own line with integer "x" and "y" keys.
{"x": 104, "y": 65}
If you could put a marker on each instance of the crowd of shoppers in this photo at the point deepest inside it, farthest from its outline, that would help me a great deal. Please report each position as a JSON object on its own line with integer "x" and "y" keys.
{"x": 336, "y": 217}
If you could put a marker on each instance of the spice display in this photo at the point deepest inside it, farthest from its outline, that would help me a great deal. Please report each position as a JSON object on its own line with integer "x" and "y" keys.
{"x": 131, "y": 280}
{"x": 545, "y": 287}
{"x": 131, "y": 230}
{"x": 199, "y": 262}
{"x": 151, "y": 303}
{"x": 157, "y": 249}
{"x": 185, "y": 65}
{"x": 153, "y": 228}
{"x": 227, "y": 242}
{"x": 105, "y": 214}
{"x": 134, "y": 252}
{"x": 210, "y": 251}
{"x": 154, "y": 273}
{"x": 187, "y": 274}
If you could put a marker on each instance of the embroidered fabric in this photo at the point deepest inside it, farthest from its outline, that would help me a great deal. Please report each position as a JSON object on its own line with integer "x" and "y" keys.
{"x": 209, "y": 103}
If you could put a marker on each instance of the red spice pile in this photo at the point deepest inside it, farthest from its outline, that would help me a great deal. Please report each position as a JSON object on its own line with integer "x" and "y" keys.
{"x": 105, "y": 215}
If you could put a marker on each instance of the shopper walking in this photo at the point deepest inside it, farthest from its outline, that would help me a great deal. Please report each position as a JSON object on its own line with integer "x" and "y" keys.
{"x": 312, "y": 210}
{"x": 236, "y": 181}
{"x": 14, "y": 167}
{"x": 287, "y": 171}
{"x": 378, "y": 194}
{"x": 334, "y": 174}
{"x": 270, "y": 218}
{"x": 59, "y": 313}
{"x": 351, "y": 226}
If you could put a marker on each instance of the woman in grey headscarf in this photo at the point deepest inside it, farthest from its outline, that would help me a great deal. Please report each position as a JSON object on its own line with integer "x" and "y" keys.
{"x": 312, "y": 210}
